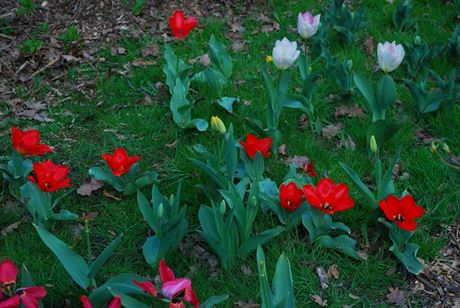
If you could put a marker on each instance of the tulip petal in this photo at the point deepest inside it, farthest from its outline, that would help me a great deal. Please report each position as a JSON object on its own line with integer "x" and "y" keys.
{"x": 8, "y": 272}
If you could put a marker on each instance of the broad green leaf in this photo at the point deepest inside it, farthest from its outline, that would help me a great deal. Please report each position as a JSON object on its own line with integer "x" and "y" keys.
{"x": 265, "y": 291}
{"x": 74, "y": 264}
{"x": 356, "y": 179}
{"x": 386, "y": 92}
{"x": 382, "y": 130}
{"x": 369, "y": 95}
{"x": 260, "y": 239}
{"x": 213, "y": 301}
{"x": 103, "y": 257}
{"x": 152, "y": 250}
{"x": 128, "y": 301}
{"x": 121, "y": 283}
{"x": 282, "y": 283}
{"x": 227, "y": 103}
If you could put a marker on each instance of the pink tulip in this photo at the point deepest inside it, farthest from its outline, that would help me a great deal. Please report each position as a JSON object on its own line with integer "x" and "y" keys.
{"x": 307, "y": 24}
{"x": 390, "y": 56}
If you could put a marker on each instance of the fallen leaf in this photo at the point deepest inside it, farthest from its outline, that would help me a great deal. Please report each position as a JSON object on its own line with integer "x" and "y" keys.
{"x": 10, "y": 228}
{"x": 282, "y": 149}
{"x": 303, "y": 122}
{"x": 109, "y": 195}
{"x": 331, "y": 130}
{"x": 247, "y": 270}
{"x": 396, "y": 297}
{"x": 349, "y": 111}
{"x": 353, "y": 296}
{"x": 323, "y": 277}
{"x": 347, "y": 143}
{"x": 370, "y": 45}
{"x": 238, "y": 46}
{"x": 140, "y": 63}
{"x": 391, "y": 271}
{"x": 332, "y": 271}
{"x": 298, "y": 161}
{"x": 250, "y": 304}
{"x": 317, "y": 299}
{"x": 152, "y": 50}
{"x": 88, "y": 188}
{"x": 270, "y": 27}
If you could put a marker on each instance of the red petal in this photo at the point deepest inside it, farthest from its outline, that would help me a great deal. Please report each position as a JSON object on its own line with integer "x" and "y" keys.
{"x": 85, "y": 301}
{"x": 31, "y": 137}
{"x": 147, "y": 286}
{"x": 8, "y": 272}
{"x": 408, "y": 225}
{"x": 264, "y": 145}
{"x": 409, "y": 209}
{"x": 191, "y": 297}
{"x": 12, "y": 302}
{"x": 30, "y": 296}
{"x": 389, "y": 207}
{"x": 116, "y": 303}
{"x": 311, "y": 195}
{"x": 325, "y": 187}
{"x": 166, "y": 273}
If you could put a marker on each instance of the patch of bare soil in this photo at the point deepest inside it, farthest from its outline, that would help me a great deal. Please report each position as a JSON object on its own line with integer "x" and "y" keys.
{"x": 439, "y": 283}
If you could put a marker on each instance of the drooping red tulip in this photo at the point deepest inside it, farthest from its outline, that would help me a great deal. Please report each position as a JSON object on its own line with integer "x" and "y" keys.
{"x": 290, "y": 196}
{"x": 29, "y": 297}
{"x": 402, "y": 211}
{"x": 147, "y": 286}
{"x": 181, "y": 26}
{"x": 28, "y": 142}
{"x": 120, "y": 162}
{"x": 254, "y": 145}
{"x": 309, "y": 169}
{"x": 50, "y": 177}
{"x": 115, "y": 303}
{"x": 328, "y": 197}
{"x": 177, "y": 289}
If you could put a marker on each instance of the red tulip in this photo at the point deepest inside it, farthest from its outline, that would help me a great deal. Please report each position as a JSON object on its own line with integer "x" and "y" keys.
{"x": 12, "y": 302}
{"x": 403, "y": 211}
{"x": 309, "y": 169}
{"x": 290, "y": 196}
{"x": 29, "y": 297}
{"x": 328, "y": 197}
{"x": 28, "y": 142}
{"x": 176, "y": 289}
{"x": 120, "y": 162}
{"x": 115, "y": 303}
{"x": 8, "y": 273}
{"x": 181, "y": 26}
{"x": 147, "y": 286}
{"x": 254, "y": 145}
{"x": 50, "y": 177}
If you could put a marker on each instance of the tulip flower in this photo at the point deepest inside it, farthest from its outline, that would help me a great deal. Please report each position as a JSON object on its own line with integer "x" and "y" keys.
{"x": 389, "y": 56}
{"x": 29, "y": 297}
{"x": 218, "y": 125}
{"x": 115, "y": 303}
{"x": 120, "y": 162}
{"x": 307, "y": 25}
{"x": 402, "y": 211}
{"x": 50, "y": 177}
{"x": 254, "y": 145}
{"x": 309, "y": 169}
{"x": 285, "y": 53}
{"x": 28, "y": 142}
{"x": 290, "y": 196}
{"x": 181, "y": 26}
{"x": 176, "y": 290}
{"x": 328, "y": 197}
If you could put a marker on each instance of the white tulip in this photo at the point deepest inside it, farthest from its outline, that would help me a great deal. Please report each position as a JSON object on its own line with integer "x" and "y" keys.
{"x": 285, "y": 53}
{"x": 390, "y": 56}
{"x": 307, "y": 25}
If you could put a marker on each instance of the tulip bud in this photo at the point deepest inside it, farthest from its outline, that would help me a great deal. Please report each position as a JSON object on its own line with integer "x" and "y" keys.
{"x": 433, "y": 147}
{"x": 349, "y": 64}
{"x": 389, "y": 56}
{"x": 417, "y": 40}
{"x": 307, "y": 24}
{"x": 446, "y": 148}
{"x": 217, "y": 125}
{"x": 160, "y": 210}
{"x": 373, "y": 144}
{"x": 222, "y": 207}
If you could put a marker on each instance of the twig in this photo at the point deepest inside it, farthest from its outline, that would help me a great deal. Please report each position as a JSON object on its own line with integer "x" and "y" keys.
{"x": 51, "y": 63}
{"x": 6, "y": 36}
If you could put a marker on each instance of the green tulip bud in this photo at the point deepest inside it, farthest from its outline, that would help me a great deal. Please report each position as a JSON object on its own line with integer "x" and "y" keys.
{"x": 446, "y": 148}
{"x": 160, "y": 210}
{"x": 434, "y": 147}
{"x": 349, "y": 64}
{"x": 417, "y": 40}
{"x": 218, "y": 125}
{"x": 373, "y": 144}
{"x": 222, "y": 207}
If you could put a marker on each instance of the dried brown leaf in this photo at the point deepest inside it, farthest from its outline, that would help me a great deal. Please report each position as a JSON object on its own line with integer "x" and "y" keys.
{"x": 332, "y": 271}
{"x": 318, "y": 299}
{"x": 282, "y": 149}
{"x": 152, "y": 50}
{"x": 110, "y": 196}
{"x": 88, "y": 188}
{"x": 349, "y": 111}
{"x": 298, "y": 161}
{"x": 396, "y": 297}
{"x": 331, "y": 130}
{"x": 323, "y": 277}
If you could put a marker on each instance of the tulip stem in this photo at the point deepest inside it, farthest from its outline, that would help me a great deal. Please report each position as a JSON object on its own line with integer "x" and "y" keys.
{"x": 88, "y": 242}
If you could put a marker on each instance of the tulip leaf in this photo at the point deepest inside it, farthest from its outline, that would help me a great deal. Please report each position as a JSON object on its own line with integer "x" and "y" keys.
{"x": 282, "y": 283}
{"x": 103, "y": 257}
{"x": 364, "y": 189}
{"x": 227, "y": 103}
{"x": 386, "y": 92}
{"x": 64, "y": 215}
{"x": 382, "y": 130}
{"x": 219, "y": 57}
{"x": 122, "y": 283}
{"x": 200, "y": 124}
{"x": 37, "y": 202}
{"x": 106, "y": 176}
{"x": 213, "y": 301}
{"x": 128, "y": 301}
{"x": 341, "y": 243}
{"x": 369, "y": 95}
{"x": 265, "y": 290}
{"x": 260, "y": 239}
{"x": 74, "y": 264}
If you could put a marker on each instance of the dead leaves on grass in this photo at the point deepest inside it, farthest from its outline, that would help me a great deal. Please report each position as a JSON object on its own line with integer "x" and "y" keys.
{"x": 87, "y": 189}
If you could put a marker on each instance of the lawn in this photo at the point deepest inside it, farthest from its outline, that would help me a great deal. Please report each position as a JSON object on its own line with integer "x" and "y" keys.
{"x": 120, "y": 102}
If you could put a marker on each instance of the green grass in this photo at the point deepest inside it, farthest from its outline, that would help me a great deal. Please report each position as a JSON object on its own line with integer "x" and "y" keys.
{"x": 116, "y": 115}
